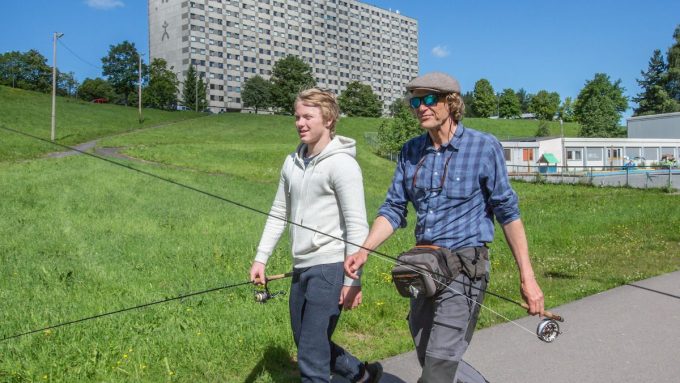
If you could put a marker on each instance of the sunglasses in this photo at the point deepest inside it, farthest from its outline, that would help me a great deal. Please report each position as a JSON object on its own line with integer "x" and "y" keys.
{"x": 427, "y": 100}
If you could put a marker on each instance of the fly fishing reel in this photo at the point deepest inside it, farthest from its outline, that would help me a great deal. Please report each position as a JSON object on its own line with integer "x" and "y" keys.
{"x": 548, "y": 330}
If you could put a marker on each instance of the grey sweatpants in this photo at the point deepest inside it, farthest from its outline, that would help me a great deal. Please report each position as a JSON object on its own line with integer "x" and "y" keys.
{"x": 442, "y": 327}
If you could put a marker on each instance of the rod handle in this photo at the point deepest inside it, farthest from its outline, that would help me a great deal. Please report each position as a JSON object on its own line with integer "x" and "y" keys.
{"x": 272, "y": 278}
{"x": 546, "y": 314}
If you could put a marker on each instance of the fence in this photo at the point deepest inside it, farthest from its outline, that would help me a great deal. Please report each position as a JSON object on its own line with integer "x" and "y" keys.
{"x": 637, "y": 177}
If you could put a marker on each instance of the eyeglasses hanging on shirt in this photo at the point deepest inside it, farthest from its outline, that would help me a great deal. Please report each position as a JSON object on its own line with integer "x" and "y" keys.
{"x": 430, "y": 191}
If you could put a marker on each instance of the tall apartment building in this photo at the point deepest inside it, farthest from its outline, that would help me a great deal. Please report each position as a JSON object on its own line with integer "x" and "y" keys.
{"x": 229, "y": 41}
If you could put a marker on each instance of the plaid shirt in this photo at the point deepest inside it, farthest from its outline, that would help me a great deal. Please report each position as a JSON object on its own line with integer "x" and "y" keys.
{"x": 456, "y": 190}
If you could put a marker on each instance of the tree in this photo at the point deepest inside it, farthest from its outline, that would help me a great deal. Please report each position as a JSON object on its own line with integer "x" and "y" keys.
{"x": 545, "y": 104}
{"x": 654, "y": 97}
{"x": 484, "y": 99}
{"x": 543, "y": 129}
{"x": 524, "y": 99}
{"x": 290, "y": 75}
{"x": 161, "y": 92}
{"x": 673, "y": 55}
{"x": 193, "y": 93}
{"x": 358, "y": 100}
{"x": 469, "y": 101}
{"x": 121, "y": 66}
{"x": 257, "y": 93}
{"x": 394, "y": 132}
{"x": 27, "y": 70}
{"x": 92, "y": 89}
{"x": 396, "y": 106}
{"x": 599, "y": 106}
{"x": 566, "y": 111}
{"x": 67, "y": 85}
{"x": 508, "y": 104}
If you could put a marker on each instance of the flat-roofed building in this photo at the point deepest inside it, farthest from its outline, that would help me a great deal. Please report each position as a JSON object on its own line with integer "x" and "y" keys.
{"x": 229, "y": 41}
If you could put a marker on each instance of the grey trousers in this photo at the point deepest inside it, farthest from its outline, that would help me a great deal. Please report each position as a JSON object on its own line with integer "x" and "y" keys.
{"x": 442, "y": 328}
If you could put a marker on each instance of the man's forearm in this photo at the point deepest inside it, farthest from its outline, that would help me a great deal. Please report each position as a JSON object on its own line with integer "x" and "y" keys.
{"x": 380, "y": 231}
{"x": 517, "y": 241}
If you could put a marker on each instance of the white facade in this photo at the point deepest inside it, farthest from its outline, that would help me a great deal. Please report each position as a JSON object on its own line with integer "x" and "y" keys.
{"x": 590, "y": 152}
{"x": 229, "y": 41}
{"x": 665, "y": 125}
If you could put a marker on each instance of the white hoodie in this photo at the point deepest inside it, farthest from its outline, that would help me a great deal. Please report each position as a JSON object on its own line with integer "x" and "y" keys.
{"x": 328, "y": 196}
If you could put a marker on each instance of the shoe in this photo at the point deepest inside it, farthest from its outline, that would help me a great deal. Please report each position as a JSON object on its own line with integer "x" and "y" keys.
{"x": 375, "y": 371}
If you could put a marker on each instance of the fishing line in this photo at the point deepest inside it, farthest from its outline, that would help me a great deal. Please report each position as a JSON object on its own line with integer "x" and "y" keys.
{"x": 420, "y": 270}
{"x": 125, "y": 309}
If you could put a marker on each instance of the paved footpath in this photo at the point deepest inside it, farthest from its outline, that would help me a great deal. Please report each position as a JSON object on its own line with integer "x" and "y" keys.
{"x": 627, "y": 334}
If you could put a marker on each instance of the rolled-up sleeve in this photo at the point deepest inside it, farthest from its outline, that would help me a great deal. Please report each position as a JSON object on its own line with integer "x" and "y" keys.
{"x": 394, "y": 209}
{"x": 502, "y": 198}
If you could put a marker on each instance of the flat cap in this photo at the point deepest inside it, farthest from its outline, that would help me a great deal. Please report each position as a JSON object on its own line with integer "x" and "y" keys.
{"x": 437, "y": 81}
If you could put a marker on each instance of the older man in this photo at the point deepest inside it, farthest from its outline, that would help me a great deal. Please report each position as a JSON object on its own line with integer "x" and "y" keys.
{"x": 456, "y": 179}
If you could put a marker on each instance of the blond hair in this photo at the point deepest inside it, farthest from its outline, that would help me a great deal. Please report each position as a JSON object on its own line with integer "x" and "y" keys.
{"x": 456, "y": 106}
{"x": 324, "y": 100}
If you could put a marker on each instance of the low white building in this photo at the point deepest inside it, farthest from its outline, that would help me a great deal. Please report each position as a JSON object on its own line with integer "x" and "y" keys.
{"x": 575, "y": 152}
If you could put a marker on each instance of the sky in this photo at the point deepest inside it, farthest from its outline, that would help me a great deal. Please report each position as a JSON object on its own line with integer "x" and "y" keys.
{"x": 531, "y": 44}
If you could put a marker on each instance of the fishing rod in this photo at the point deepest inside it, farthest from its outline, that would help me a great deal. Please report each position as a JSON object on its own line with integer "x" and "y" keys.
{"x": 259, "y": 297}
{"x": 553, "y": 326}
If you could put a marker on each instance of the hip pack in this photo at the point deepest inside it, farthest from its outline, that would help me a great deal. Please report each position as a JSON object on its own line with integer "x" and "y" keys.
{"x": 427, "y": 270}
{"x": 424, "y": 270}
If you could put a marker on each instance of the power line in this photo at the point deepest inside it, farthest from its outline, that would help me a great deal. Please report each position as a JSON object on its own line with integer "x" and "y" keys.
{"x": 78, "y": 57}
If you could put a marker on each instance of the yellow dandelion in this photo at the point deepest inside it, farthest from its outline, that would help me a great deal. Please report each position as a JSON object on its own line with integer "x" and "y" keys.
{"x": 45, "y": 377}
{"x": 125, "y": 356}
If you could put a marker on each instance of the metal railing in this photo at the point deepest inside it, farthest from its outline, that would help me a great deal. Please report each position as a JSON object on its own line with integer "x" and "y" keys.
{"x": 658, "y": 176}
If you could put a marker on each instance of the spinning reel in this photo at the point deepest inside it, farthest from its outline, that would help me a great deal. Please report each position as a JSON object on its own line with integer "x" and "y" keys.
{"x": 263, "y": 295}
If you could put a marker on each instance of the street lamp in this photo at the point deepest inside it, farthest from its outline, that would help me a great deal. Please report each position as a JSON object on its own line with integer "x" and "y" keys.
{"x": 54, "y": 83}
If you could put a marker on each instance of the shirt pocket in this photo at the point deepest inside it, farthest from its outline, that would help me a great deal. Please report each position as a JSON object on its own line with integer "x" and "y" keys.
{"x": 461, "y": 185}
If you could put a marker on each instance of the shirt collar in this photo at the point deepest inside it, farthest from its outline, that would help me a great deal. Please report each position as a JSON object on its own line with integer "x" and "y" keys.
{"x": 454, "y": 142}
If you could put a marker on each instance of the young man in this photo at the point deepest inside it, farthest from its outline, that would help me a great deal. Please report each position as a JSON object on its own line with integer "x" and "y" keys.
{"x": 320, "y": 188}
{"x": 456, "y": 179}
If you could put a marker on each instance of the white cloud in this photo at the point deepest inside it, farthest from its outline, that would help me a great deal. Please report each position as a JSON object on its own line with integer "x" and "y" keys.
{"x": 440, "y": 51}
{"x": 104, "y": 4}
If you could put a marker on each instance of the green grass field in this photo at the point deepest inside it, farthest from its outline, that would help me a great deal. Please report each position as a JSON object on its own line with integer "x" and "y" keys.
{"x": 79, "y": 237}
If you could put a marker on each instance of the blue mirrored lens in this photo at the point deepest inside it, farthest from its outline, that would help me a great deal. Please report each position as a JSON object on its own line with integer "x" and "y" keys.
{"x": 428, "y": 100}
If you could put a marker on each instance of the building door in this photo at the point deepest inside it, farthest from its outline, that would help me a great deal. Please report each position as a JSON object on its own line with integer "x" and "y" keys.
{"x": 614, "y": 156}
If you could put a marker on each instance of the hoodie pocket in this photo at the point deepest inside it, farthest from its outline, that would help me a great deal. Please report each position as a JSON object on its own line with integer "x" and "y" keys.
{"x": 304, "y": 240}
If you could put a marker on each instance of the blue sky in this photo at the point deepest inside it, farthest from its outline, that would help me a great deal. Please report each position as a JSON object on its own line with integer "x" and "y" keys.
{"x": 535, "y": 45}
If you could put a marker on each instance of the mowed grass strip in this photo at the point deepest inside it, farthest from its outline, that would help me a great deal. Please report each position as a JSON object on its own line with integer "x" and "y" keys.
{"x": 79, "y": 237}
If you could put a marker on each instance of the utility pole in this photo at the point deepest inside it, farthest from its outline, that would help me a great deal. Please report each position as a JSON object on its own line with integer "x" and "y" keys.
{"x": 54, "y": 84}
{"x": 139, "y": 89}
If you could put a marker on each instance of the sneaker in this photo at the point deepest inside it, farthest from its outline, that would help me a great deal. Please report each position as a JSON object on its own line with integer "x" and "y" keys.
{"x": 375, "y": 371}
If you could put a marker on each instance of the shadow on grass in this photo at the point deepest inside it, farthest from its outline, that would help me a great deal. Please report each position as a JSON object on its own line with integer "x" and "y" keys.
{"x": 277, "y": 363}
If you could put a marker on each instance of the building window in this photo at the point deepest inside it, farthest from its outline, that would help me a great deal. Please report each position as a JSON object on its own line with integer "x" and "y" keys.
{"x": 528, "y": 154}
{"x": 594, "y": 154}
{"x": 651, "y": 154}
{"x": 507, "y": 154}
{"x": 574, "y": 154}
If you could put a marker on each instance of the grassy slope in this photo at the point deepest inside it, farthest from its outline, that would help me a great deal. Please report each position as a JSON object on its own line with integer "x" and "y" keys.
{"x": 80, "y": 237}
{"x": 76, "y": 121}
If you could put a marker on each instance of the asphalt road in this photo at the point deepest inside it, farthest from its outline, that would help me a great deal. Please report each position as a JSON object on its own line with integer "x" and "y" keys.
{"x": 627, "y": 334}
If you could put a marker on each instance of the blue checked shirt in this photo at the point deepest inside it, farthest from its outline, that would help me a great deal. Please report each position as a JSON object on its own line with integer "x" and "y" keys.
{"x": 456, "y": 190}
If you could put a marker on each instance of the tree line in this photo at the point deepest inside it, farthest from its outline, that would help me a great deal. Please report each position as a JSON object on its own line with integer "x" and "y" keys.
{"x": 597, "y": 108}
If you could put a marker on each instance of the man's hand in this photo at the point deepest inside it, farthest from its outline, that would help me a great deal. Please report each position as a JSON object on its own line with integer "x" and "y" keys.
{"x": 350, "y": 297}
{"x": 532, "y": 295}
{"x": 257, "y": 275}
{"x": 354, "y": 262}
